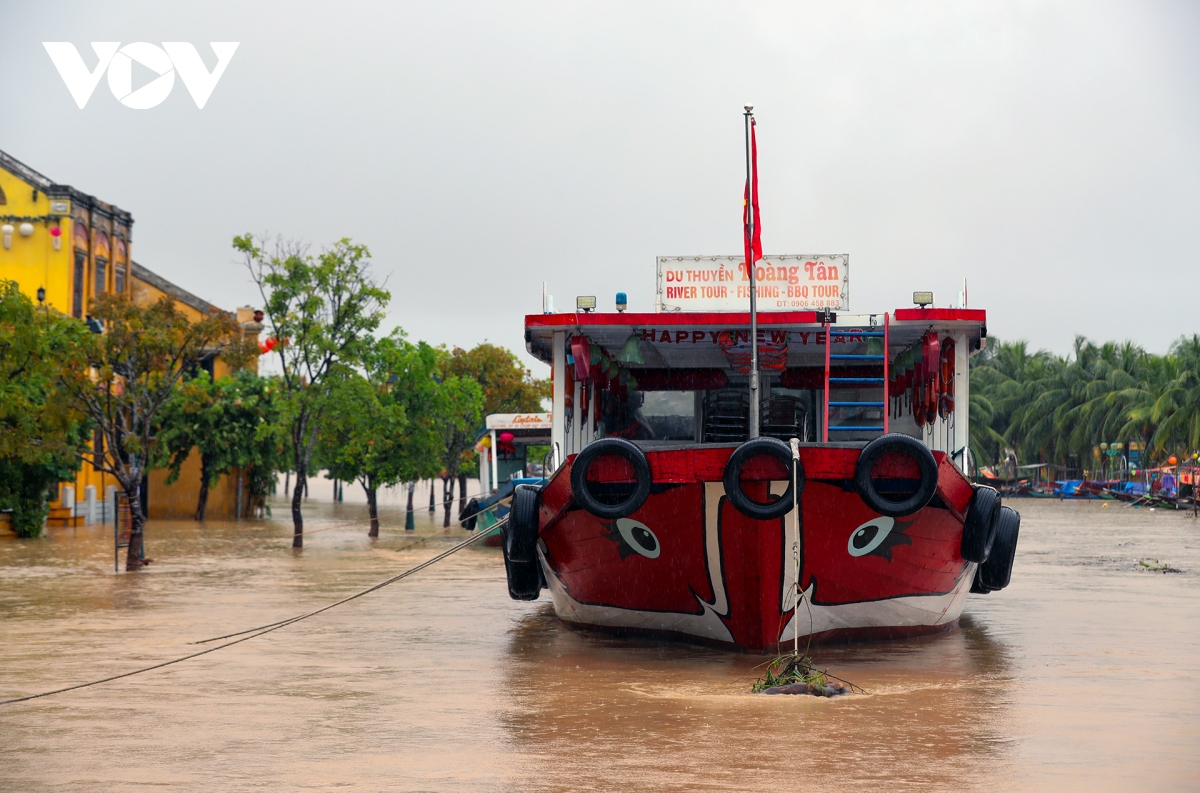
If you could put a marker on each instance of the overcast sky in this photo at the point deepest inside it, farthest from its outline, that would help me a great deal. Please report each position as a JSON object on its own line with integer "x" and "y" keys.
{"x": 1048, "y": 152}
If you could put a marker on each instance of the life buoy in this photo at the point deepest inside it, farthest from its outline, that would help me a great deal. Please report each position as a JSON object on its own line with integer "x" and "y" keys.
{"x": 770, "y": 447}
{"x": 946, "y": 379}
{"x": 996, "y": 572}
{"x": 979, "y": 525}
{"x": 891, "y": 443}
{"x": 582, "y": 489}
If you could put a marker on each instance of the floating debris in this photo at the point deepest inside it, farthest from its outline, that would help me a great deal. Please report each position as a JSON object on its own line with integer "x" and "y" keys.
{"x": 1155, "y": 566}
{"x": 797, "y": 674}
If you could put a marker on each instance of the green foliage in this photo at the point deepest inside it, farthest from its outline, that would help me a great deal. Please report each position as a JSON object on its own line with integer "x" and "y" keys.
{"x": 459, "y": 411}
{"x": 508, "y": 387}
{"x": 406, "y": 375}
{"x": 42, "y": 431}
{"x": 322, "y": 311}
{"x": 1059, "y": 409}
{"x": 233, "y": 422}
{"x": 136, "y": 365}
{"x": 363, "y": 436}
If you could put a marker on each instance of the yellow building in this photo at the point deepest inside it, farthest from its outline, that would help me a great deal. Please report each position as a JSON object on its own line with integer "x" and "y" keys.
{"x": 65, "y": 247}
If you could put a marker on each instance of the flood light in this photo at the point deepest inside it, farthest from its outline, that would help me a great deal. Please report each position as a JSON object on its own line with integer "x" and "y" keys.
{"x": 923, "y": 299}
{"x": 585, "y": 303}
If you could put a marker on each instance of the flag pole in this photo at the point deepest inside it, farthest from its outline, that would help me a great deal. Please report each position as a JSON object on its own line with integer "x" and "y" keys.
{"x": 750, "y": 219}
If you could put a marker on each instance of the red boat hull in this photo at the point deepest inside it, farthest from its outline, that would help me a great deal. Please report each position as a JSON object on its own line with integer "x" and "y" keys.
{"x": 689, "y": 565}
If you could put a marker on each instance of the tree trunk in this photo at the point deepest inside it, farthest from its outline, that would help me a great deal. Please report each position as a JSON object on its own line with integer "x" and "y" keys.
{"x": 137, "y": 520}
{"x": 372, "y": 508}
{"x": 447, "y": 499}
{"x": 297, "y": 518}
{"x": 287, "y": 482}
{"x": 432, "y": 499}
{"x": 202, "y": 501}
{"x": 409, "y": 523}
{"x": 462, "y": 492}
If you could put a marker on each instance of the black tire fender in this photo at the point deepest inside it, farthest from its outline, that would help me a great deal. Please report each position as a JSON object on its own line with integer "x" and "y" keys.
{"x": 469, "y": 514}
{"x": 619, "y": 447}
{"x": 521, "y": 535}
{"x": 996, "y": 572}
{"x": 771, "y": 447}
{"x": 902, "y": 444}
{"x": 979, "y": 525}
{"x": 524, "y": 578}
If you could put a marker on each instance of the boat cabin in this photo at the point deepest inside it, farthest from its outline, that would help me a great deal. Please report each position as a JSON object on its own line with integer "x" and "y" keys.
{"x": 671, "y": 378}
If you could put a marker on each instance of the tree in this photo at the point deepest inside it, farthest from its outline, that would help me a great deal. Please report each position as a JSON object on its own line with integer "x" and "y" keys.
{"x": 363, "y": 437}
{"x": 233, "y": 422}
{"x": 42, "y": 431}
{"x": 460, "y": 409}
{"x": 136, "y": 365}
{"x": 322, "y": 310}
{"x": 508, "y": 387}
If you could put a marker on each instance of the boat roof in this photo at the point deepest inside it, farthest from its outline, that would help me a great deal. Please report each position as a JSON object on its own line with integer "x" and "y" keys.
{"x": 679, "y": 340}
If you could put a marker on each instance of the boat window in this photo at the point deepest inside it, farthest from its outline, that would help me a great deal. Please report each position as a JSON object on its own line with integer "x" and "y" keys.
{"x": 649, "y": 416}
{"x": 670, "y": 414}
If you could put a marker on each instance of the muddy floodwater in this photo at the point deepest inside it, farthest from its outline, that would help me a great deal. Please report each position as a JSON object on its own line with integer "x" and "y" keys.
{"x": 1083, "y": 675}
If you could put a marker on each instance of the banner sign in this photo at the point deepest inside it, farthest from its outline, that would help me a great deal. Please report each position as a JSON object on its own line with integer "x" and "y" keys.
{"x": 518, "y": 421}
{"x": 784, "y": 283}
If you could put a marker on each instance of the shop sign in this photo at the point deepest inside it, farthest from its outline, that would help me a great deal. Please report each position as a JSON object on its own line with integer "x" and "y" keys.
{"x": 783, "y": 283}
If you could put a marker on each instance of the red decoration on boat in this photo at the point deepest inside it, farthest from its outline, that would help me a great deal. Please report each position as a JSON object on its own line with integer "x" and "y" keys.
{"x": 772, "y": 356}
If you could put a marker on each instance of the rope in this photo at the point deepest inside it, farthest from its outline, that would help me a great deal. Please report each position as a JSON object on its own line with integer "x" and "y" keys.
{"x": 415, "y": 542}
{"x": 274, "y": 627}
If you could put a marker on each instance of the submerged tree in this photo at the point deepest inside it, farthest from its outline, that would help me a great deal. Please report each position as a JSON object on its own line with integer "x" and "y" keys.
{"x": 137, "y": 363}
{"x": 232, "y": 422}
{"x": 322, "y": 310}
{"x": 43, "y": 433}
{"x": 460, "y": 412}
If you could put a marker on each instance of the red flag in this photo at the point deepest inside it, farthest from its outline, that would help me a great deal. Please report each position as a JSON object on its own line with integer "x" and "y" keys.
{"x": 753, "y": 245}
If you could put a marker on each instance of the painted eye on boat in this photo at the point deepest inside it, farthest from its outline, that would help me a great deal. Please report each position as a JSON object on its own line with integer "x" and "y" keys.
{"x": 869, "y": 536}
{"x": 639, "y": 538}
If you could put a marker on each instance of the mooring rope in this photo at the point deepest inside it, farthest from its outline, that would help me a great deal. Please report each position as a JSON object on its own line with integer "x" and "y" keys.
{"x": 274, "y": 627}
{"x": 415, "y": 542}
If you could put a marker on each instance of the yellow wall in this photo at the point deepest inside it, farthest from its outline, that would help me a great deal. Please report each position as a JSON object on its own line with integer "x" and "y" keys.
{"x": 178, "y": 500}
{"x": 34, "y": 262}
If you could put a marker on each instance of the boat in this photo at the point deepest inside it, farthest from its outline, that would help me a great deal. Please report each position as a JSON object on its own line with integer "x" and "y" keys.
{"x": 504, "y": 464}
{"x": 834, "y": 512}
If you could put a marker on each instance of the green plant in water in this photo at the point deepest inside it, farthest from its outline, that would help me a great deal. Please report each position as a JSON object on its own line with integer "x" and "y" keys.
{"x": 795, "y": 669}
{"x": 789, "y": 668}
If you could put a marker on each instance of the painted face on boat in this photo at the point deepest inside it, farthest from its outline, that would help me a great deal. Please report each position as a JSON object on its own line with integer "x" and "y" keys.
{"x": 878, "y": 536}
{"x": 652, "y": 560}
{"x": 852, "y": 554}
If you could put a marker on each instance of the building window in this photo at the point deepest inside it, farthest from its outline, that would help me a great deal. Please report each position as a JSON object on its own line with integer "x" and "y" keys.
{"x": 3, "y": 200}
{"x": 119, "y": 280}
{"x": 101, "y": 275}
{"x": 77, "y": 299}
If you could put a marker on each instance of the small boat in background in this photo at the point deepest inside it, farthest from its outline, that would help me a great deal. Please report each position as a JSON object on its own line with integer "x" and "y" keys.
{"x": 512, "y": 451}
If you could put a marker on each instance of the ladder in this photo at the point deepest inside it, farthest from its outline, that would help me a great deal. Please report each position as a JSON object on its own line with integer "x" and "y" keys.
{"x": 844, "y": 383}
